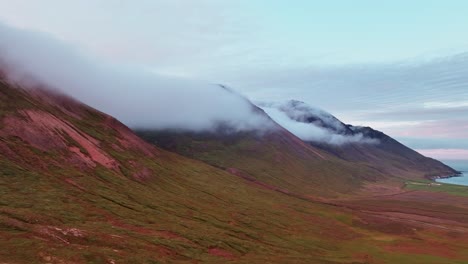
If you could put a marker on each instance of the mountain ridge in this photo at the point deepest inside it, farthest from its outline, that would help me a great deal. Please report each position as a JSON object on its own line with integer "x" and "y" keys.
{"x": 373, "y": 147}
{"x": 77, "y": 186}
{"x": 278, "y": 157}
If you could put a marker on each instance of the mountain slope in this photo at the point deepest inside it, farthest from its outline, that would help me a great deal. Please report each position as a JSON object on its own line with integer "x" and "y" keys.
{"x": 275, "y": 158}
{"x": 364, "y": 144}
{"x": 284, "y": 162}
{"x": 389, "y": 156}
{"x": 77, "y": 186}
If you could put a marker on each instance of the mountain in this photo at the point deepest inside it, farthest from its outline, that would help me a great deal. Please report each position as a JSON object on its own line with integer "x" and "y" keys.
{"x": 77, "y": 186}
{"x": 343, "y": 161}
{"x": 274, "y": 158}
{"x": 362, "y": 144}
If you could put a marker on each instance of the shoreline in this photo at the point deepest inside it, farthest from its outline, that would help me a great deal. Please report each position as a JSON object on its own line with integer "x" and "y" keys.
{"x": 434, "y": 178}
{"x": 446, "y": 180}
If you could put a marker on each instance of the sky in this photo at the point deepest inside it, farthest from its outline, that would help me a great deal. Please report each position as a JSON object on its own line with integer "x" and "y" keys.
{"x": 138, "y": 97}
{"x": 398, "y": 66}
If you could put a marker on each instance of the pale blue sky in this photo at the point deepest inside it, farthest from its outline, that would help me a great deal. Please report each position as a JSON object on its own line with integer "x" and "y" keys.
{"x": 396, "y": 65}
{"x": 364, "y": 31}
{"x": 262, "y": 31}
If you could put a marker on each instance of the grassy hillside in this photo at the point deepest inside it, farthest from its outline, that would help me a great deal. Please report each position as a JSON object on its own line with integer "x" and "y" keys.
{"x": 388, "y": 156}
{"x": 282, "y": 161}
{"x": 277, "y": 159}
{"x": 76, "y": 186}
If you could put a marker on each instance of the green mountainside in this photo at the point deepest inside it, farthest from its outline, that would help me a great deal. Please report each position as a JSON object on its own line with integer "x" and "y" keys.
{"x": 77, "y": 186}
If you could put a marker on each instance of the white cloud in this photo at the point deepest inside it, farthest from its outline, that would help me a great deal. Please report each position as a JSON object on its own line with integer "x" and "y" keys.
{"x": 137, "y": 97}
{"x": 292, "y": 115}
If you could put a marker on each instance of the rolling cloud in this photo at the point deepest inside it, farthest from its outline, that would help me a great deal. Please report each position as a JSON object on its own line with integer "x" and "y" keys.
{"x": 419, "y": 98}
{"x": 312, "y": 124}
{"x": 275, "y": 51}
{"x": 137, "y": 97}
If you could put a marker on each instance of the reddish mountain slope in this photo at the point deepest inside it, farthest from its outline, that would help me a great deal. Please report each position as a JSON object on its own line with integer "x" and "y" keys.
{"x": 359, "y": 144}
{"x": 281, "y": 160}
{"x": 275, "y": 158}
{"x": 77, "y": 186}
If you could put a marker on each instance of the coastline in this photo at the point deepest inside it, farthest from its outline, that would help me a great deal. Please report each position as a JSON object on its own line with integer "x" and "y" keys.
{"x": 459, "y": 179}
{"x": 457, "y": 174}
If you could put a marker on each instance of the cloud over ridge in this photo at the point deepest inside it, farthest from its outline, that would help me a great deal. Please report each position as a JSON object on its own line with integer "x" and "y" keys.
{"x": 313, "y": 124}
{"x": 138, "y": 97}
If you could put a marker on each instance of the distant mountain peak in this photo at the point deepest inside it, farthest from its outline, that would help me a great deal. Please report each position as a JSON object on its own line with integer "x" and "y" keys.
{"x": 302, "y": 112}
{"x": 313, "y": 124}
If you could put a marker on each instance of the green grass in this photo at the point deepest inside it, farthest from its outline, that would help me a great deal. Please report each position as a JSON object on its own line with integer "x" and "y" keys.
{"x": 269, "y": 160}
{"x": 202, "y": 206}
{"x": 430, "y": 186}
{"x": 184, "y": 209}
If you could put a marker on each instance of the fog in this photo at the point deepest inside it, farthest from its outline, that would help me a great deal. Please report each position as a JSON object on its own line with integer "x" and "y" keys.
{"x": 312, "y": 124}
{"x": 138, "y": 97}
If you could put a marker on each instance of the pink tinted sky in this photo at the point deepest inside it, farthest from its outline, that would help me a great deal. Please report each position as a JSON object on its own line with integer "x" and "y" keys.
{"x": 408, "y": 78}
{"x": 440, "y": 139}
{"x": 445, "y": 154}
{"x": 433, "y": 129}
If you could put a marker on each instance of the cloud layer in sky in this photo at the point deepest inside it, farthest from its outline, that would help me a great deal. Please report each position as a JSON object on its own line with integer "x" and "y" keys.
{"x": 397, "y": 66}
{"x": 176, "y": 35}
{"x": 137, "y": 97}
{"x": 412, "y": 99}
{"x": 312, "y": 124}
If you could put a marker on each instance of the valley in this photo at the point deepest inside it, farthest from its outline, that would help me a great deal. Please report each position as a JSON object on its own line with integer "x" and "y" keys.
{"x": 77, "y": 186}
{"x": 250, "y": 132}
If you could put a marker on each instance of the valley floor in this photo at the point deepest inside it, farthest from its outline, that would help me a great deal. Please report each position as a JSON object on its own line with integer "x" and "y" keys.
{"x": 45, "y": 219}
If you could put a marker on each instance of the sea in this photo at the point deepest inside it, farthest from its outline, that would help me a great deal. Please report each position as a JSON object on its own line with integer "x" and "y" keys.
{"x": 459, "y": 165}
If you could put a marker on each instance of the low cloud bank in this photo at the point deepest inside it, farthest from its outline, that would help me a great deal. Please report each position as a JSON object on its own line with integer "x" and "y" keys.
{"x": 312, "y": 124}
{"x": 137, "y": 97}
